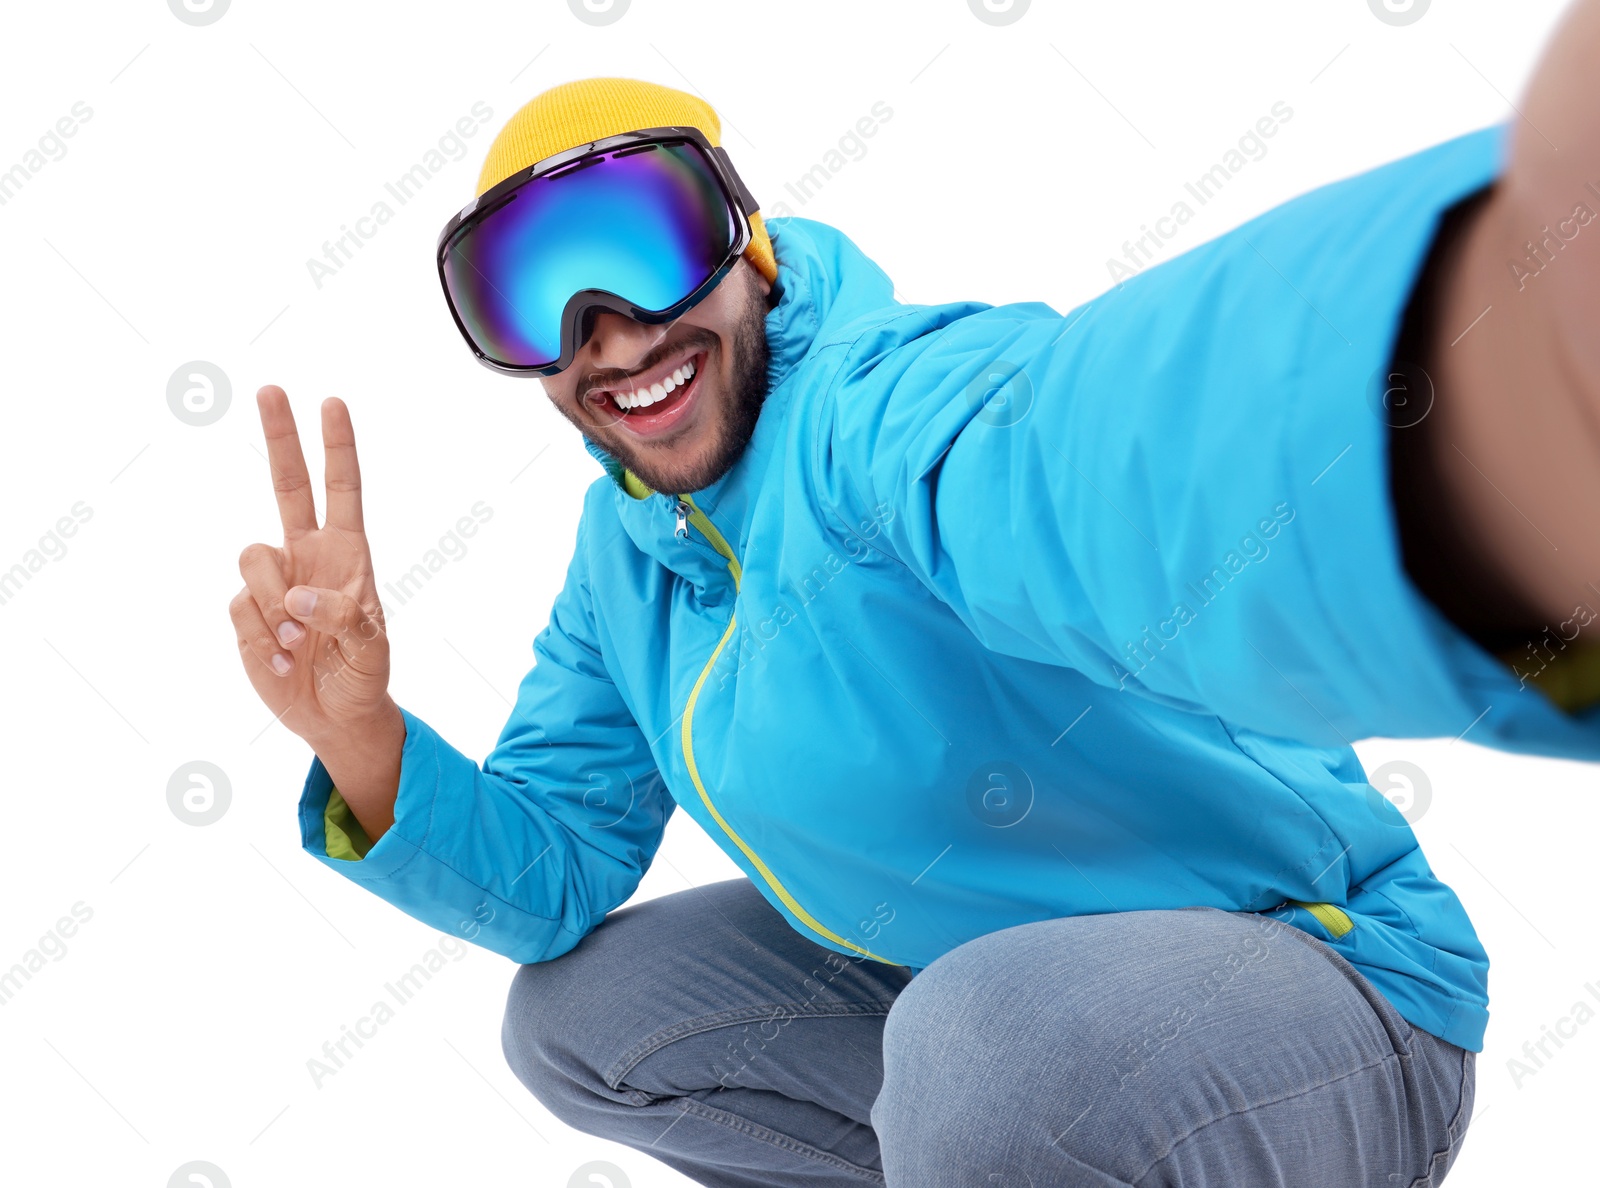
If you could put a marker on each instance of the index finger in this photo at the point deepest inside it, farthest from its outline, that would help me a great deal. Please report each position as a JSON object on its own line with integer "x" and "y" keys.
{"x": 290, "y": 480}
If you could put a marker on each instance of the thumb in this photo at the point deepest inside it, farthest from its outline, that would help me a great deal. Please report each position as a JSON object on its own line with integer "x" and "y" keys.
{"x": 335, "y": 613}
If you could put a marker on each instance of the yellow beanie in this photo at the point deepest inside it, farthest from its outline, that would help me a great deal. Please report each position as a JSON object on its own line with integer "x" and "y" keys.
{"x": 579, "y": 112}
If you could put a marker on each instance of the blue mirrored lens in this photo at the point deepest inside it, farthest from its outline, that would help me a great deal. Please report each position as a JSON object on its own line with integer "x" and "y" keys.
{"x": 650, "y": 226}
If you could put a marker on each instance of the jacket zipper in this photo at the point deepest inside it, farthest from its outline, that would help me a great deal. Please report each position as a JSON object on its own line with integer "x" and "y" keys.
{"x": 689, "y": 513}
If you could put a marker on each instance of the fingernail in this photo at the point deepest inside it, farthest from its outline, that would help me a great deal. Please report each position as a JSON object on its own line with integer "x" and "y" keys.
{"x": 289, "y": 631}
{"x": 300, "y": 601}
{"x": 280, "y": 663}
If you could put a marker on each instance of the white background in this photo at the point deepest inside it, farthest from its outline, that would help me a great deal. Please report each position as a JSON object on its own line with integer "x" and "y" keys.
{"x": 177, "y": 226}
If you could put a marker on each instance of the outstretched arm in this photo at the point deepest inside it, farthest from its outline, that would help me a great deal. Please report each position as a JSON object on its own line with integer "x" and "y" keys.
{"x": 1182, "y": 488}
{"x": 1496, "y": 488}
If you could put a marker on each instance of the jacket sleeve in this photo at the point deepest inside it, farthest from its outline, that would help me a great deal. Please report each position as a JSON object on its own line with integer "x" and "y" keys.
{"x": 1181, "y": 488}
{"x": 527, "y": 852}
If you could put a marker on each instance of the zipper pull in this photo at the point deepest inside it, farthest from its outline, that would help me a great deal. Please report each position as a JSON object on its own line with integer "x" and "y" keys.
{"x": 682, "y": 530}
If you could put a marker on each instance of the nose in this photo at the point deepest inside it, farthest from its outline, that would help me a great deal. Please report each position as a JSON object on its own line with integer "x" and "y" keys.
{"x": 620, "y": 342}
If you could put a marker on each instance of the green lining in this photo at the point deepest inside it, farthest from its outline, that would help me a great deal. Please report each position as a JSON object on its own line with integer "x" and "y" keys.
{"x": 632, "y": 485}
{"x": 1571, "y": 680}
{"x": 345, "y": 837}
{"x": 1330, "y": 917}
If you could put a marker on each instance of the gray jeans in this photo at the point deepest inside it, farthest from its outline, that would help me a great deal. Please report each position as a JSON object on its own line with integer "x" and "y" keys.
{"x": 1188, "y": 1047}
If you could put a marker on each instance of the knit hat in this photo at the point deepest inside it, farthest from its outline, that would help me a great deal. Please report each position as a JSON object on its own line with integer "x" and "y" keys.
{"x": 578, "y": 112}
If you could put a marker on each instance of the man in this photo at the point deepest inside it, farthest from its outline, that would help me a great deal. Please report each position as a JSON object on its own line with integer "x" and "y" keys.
{"x": 1013, "y": 656}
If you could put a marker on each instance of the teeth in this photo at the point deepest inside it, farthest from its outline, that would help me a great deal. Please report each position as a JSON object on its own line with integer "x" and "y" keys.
{"x": 644, "y": 397}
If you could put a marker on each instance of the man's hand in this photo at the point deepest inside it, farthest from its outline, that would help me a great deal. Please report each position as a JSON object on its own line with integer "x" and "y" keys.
{"x": 309, "y": 623}
{"x": 1499, "y": 513}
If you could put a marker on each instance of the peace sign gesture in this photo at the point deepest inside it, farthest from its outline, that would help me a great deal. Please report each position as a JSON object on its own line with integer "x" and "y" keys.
{"x": 310, "y": 626}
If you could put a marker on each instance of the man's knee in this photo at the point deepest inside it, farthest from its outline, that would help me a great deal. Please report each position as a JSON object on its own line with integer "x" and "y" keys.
{"x": 956, "y": 1066}
{"x": 570, "y": 1022}
{"x": 566, "y": 1025}
{"x": 1110, "y": 1012}
{"x": 535, "y": 1035}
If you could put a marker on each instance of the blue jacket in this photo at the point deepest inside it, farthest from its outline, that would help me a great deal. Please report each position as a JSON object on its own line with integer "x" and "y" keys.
{"x": 1006, "y": 615}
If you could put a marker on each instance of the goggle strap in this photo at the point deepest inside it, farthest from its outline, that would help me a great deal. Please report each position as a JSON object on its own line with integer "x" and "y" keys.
{"x": 751, "y": 206}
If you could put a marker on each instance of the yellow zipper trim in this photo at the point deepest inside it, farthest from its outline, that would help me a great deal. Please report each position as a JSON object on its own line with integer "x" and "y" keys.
{"x": 701, "y": 521}
{"x": 1330, "y": 917}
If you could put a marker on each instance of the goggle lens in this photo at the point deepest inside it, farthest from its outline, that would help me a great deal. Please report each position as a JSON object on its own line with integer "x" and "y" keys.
{"x": 650, "y": 224}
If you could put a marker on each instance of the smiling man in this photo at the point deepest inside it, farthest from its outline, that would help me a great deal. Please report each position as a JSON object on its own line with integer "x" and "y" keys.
{"x": 1013, "y": 656}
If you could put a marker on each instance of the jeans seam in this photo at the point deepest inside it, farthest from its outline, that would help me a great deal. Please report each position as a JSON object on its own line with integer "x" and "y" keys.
{"x": 733, "y": 1016}
{"x": 1187, "y": 1135}
{"x": 1468, "y": 1061}
{"x": 1453, "y": 1133}
{"x": 774, "y": 1138}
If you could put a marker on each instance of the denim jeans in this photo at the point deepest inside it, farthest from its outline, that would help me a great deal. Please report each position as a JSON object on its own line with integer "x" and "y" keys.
{"x": 1181, "y": 1047}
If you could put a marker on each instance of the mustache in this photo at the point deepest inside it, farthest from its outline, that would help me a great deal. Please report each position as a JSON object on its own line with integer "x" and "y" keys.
{"x": 616, "y": 377}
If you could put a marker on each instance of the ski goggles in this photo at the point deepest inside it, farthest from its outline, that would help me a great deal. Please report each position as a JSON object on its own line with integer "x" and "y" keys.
{"x": 644, "y": 223}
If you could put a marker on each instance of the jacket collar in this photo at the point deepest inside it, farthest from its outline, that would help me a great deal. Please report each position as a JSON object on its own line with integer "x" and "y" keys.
{"x": 824, "y": 279}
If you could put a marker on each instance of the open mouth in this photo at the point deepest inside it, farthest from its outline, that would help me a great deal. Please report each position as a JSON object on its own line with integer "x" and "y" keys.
{"x": 649, "y": 411}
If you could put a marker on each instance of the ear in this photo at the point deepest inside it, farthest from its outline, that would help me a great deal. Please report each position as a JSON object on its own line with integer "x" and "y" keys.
{"x": 762, "y": 284}
{"x": 760, "y": 278}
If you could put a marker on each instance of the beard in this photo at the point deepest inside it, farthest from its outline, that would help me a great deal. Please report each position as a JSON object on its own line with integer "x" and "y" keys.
{"x": 747, "y": 392}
